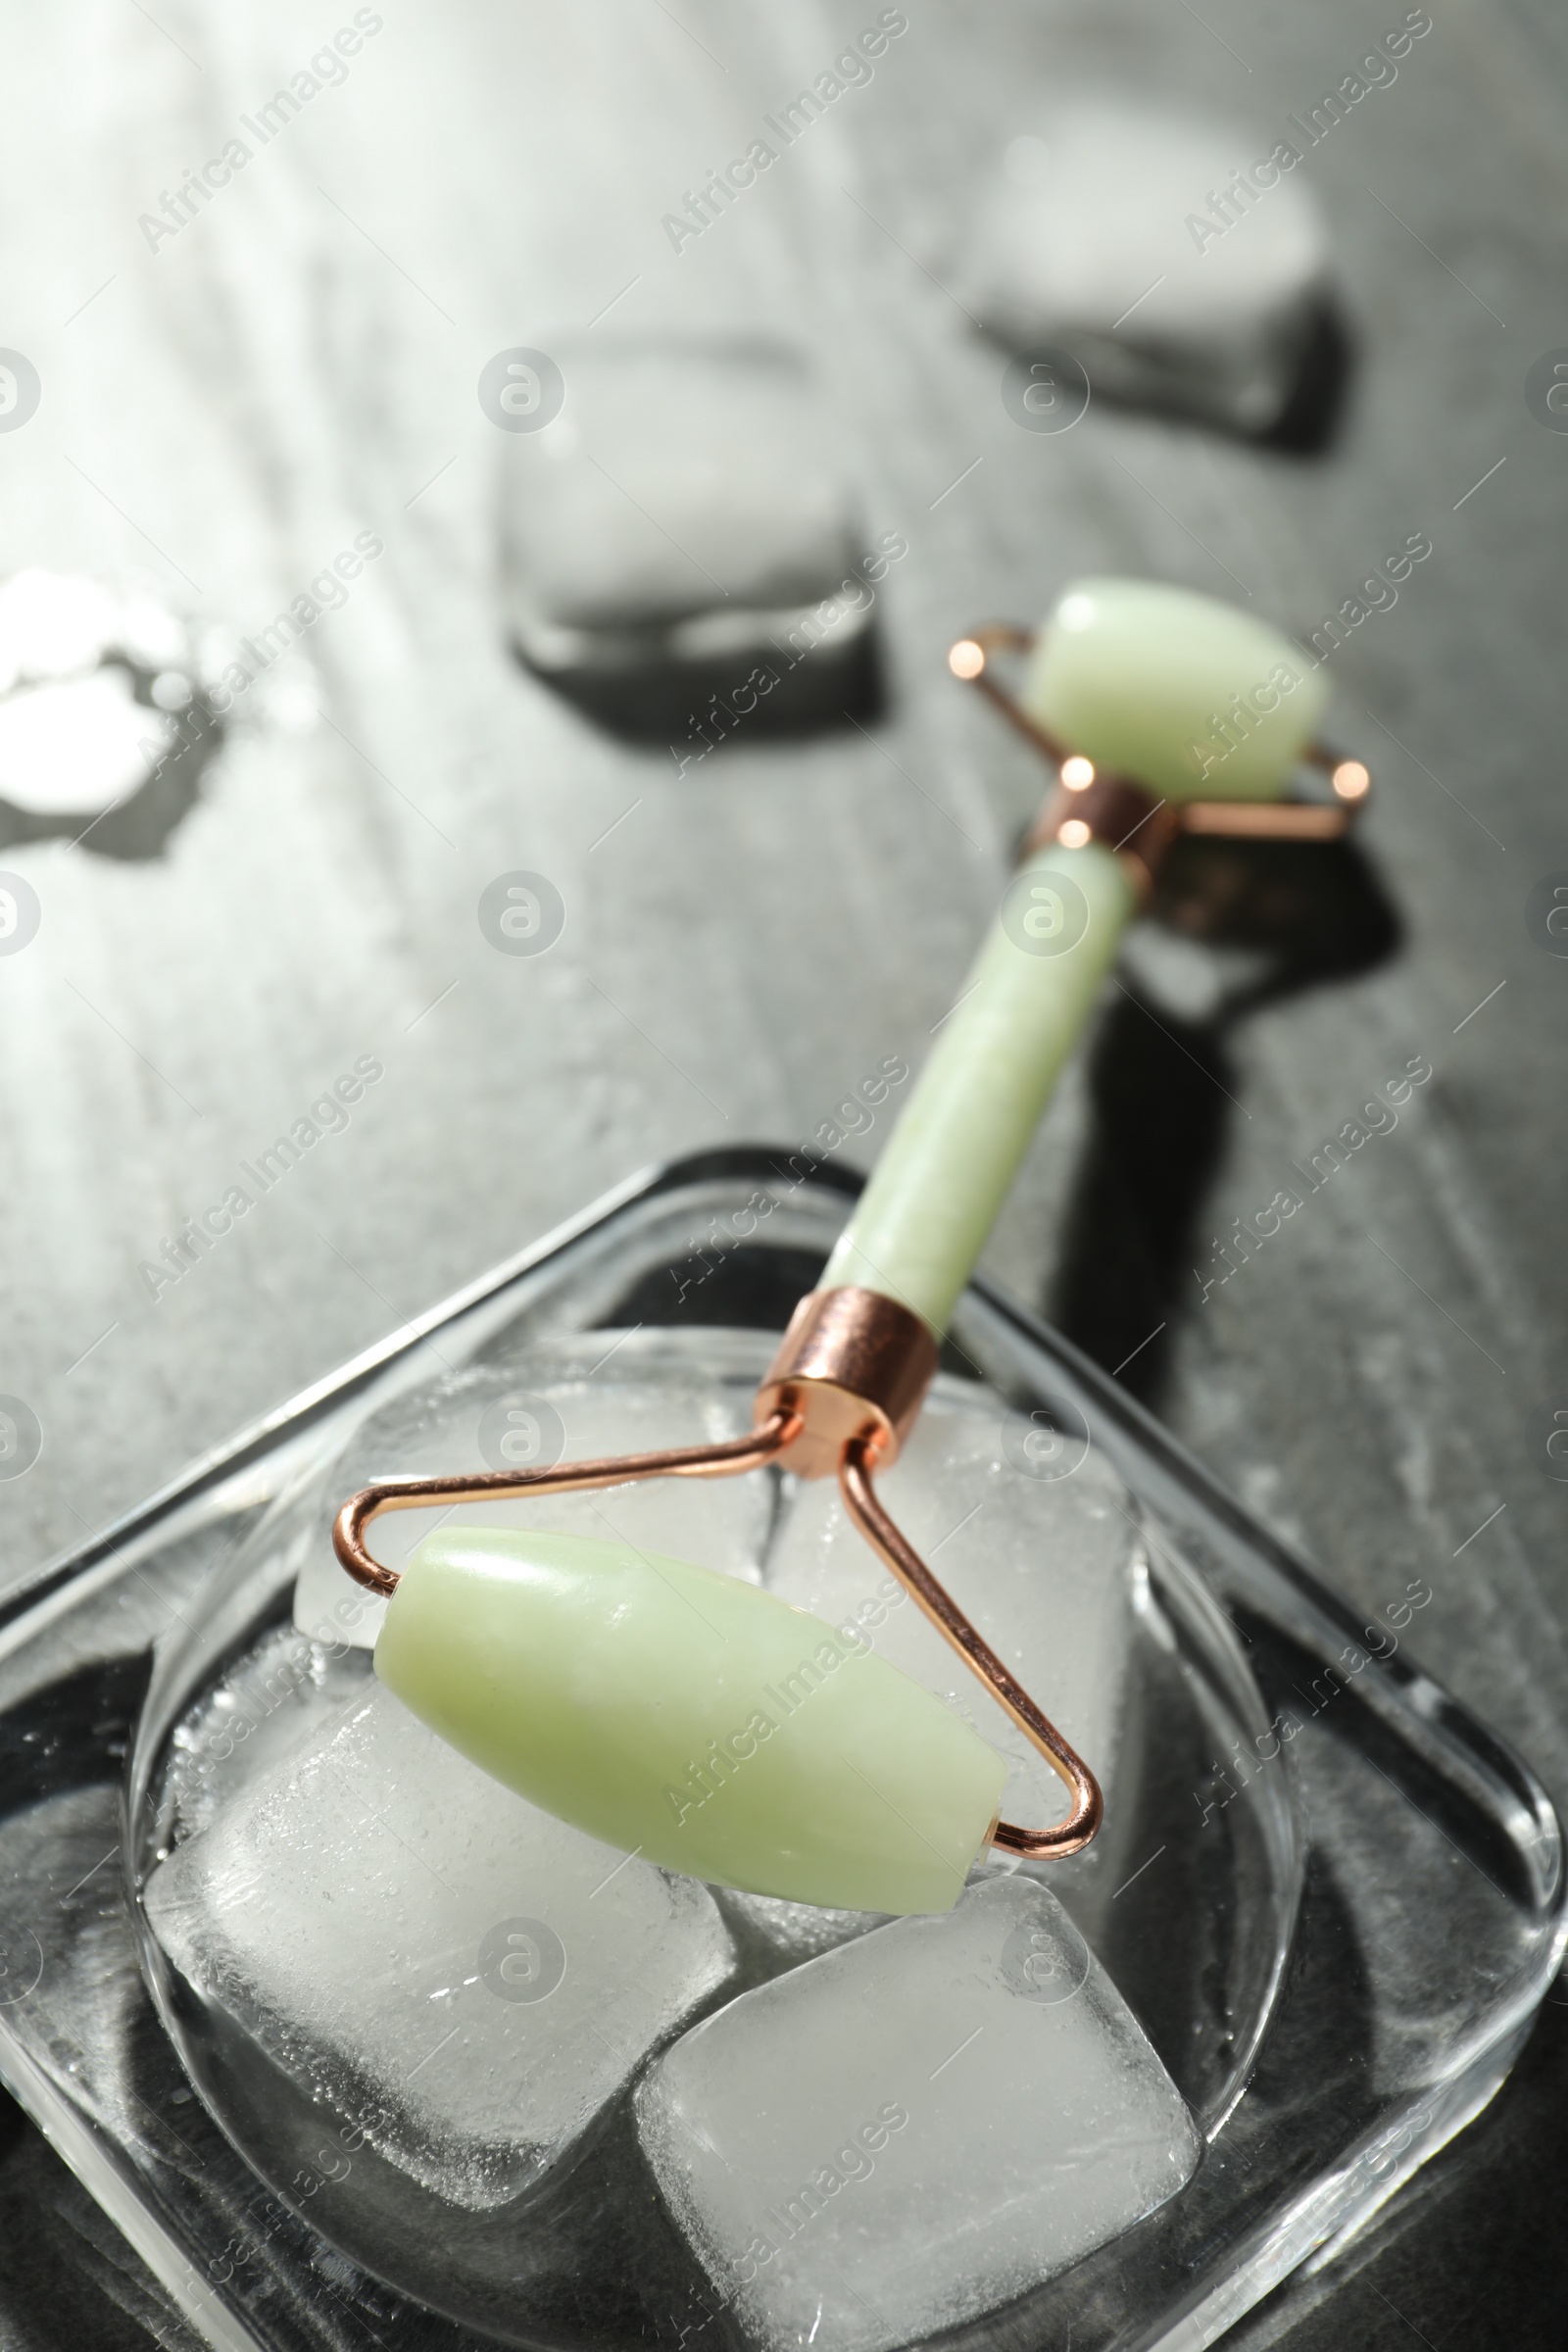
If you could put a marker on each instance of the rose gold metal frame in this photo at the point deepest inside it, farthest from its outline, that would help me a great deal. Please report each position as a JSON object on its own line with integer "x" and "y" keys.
{"x": 840, "y": 1396}
{"x": 725, "y": 1459}
{"x": 1069, "y": 1836}
{"x": 1123, "y": 814}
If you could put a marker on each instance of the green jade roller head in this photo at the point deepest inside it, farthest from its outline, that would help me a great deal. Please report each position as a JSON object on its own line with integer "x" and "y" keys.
{"x": 699, "y": 1722}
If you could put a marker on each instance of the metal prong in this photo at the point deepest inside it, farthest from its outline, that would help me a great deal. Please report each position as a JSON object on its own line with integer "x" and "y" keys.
{"x": 889, "y": 1542}
{"x": 724, "y": 1459}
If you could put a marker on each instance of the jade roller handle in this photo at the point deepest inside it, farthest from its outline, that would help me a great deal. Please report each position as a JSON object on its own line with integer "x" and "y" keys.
{"x": 924, "y": 1215}
{"x": 1187, "y": 698}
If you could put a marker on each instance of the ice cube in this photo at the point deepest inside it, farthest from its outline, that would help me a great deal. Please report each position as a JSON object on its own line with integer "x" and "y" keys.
{"x": 914, "y": 2129}
{"x": 468, "y": 1980}
{"x": 681, "y": 555}
{"x": 271, "y": 1700}
{"x": 493, "y": 1418}
{"x": 1096, "y": 238}
{"x": 1031, "y": 1532}
{"x": 689, "y": 480}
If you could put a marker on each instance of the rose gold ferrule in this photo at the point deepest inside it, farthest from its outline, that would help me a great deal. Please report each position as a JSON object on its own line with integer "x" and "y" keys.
{"x": 852, "y": 1365}
{"x": 1116, "y": 811}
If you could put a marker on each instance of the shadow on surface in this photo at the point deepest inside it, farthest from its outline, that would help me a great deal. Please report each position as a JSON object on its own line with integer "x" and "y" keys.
{"x": 698, "y": 707}
{"x": 1162, "y": 1088}
{"x": 1309, "y": 424}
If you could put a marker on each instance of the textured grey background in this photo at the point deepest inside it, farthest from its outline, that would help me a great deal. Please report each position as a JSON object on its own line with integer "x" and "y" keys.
{"x": 222, "y": 416}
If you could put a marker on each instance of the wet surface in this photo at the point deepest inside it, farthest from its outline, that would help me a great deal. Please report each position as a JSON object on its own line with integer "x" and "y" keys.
{"x": 267, "y": 414}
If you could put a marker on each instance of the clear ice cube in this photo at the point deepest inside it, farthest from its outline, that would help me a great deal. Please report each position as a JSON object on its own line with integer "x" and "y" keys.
{"x": 1032, "y": 1533}
{"x": 1059, "y": 245}
{"x": 269, "y": 1702}
{"x": 491, "y": 1418}
{"x": 914, "y": 2129}
{"x": 686, "y": 465}
{"x": 465, "y": 1979}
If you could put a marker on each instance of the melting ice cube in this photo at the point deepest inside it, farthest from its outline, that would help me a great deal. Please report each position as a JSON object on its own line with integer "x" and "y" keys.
{"x": 1031, "y": 1532}
{"x": 466, "y": 1979}
{"x": 914, "y": 2129}
{"x": 1096, "y": 238}
{"x": 680, "y": 465}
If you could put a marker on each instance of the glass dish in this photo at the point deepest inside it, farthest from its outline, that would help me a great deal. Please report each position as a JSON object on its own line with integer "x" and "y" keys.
{"x": 1331, "y": 1899}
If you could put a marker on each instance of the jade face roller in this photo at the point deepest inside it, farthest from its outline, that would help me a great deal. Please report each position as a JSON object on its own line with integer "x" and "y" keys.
{"x": 588, "y": 1674}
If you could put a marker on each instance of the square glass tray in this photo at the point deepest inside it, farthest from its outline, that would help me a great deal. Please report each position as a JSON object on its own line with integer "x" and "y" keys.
{"x": 1332, "y": 1897}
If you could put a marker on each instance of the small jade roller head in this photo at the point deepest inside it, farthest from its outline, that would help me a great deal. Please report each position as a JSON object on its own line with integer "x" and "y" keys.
{"x": 698, "y": 1721}
{"x": 1182, "y": 693}
{"x": 1165, "y": 713}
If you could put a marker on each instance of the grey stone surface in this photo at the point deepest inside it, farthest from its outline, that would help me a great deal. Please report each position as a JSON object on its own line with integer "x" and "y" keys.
{"x": 221, "y": 414}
